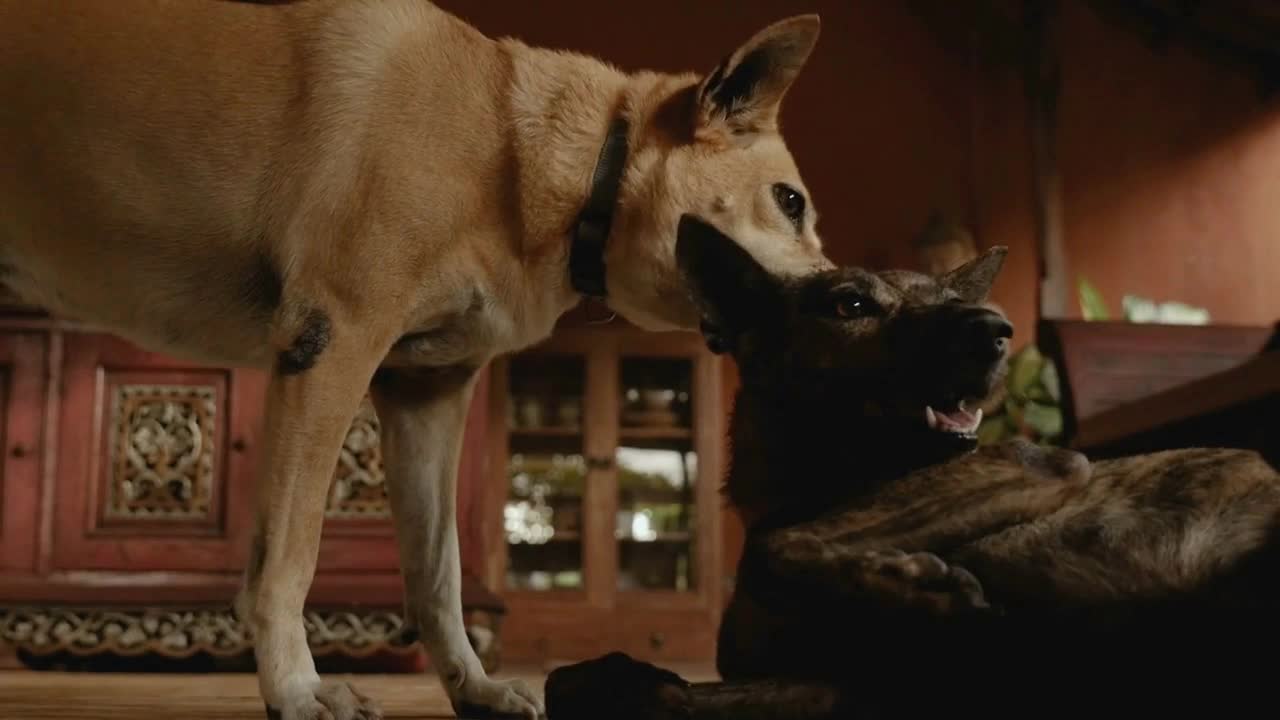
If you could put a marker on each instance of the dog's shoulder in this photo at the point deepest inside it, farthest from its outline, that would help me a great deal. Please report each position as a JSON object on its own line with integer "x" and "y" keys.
{"x": 1044, "y": 462}
{"x": 1011, "y": 460}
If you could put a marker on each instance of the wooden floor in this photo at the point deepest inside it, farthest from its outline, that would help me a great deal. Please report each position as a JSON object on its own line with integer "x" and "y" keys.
{"x": 28, "y": 695}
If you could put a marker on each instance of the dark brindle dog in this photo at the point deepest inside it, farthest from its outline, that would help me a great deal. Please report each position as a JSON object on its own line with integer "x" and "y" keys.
{"x": 893, "y": 567}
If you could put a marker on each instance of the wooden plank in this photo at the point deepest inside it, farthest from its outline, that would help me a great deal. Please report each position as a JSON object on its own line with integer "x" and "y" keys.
{"x": 1103, "y": 365}
{"x": 600, "y": 509}
{"x": 214, "y": 696}
{"x": 1254, "y": 380}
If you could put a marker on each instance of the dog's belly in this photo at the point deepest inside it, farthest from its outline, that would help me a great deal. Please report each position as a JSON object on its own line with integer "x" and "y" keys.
{"x": 1147, "y": 525}
{"x": 197, "y": 308}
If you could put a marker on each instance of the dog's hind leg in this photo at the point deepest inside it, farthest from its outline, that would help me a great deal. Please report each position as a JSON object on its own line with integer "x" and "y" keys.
{"x": 313, "y": 394}
{"x": 422, "y": 413}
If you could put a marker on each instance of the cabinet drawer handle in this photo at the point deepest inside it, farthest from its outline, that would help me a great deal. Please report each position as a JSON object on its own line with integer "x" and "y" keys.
{"x": 19, "y": 451}
{"x": 238, "y": 445}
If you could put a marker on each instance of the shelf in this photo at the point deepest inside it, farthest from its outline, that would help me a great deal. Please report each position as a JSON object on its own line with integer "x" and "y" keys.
{"x": 642, "y": 497}
{"x": 662, "y": 537}
{"x": 546, "y": 444}
{"x": 560, "y": 536}
{"x": 655, "y": 433}
{"x": 548, "y": 431}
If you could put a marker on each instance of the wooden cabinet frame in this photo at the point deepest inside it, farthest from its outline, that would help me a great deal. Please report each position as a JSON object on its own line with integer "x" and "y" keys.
{"x": 658, "y": 625}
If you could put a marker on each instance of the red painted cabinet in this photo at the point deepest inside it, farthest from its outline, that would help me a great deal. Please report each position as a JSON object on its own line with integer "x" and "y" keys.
{"x": 152, "y": 462}
{"x": 126, "y": 505}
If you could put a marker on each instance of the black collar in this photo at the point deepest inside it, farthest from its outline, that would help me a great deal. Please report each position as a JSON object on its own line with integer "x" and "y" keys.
{"x": 591, "y": 231}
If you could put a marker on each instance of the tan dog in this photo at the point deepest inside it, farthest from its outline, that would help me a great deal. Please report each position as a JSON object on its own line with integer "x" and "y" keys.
{"x": 334, "y": 188}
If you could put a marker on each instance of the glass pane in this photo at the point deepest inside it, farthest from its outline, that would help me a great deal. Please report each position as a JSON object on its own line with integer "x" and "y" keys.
{"x": 546, "y": 471}
{"x": 657, "y": 467}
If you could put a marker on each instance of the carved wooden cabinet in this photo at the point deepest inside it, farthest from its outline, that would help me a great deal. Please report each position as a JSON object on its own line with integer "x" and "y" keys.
{"x": 126, "y": 507}
{"x": 607, "y": 445}
{"x": 588, "y": 504}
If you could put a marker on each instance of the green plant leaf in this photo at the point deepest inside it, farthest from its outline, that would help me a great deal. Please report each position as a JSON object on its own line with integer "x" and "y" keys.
{"x": 1013, "y": 411}
{"x": 993, "y": 430}
{"x": 1024, "y": 368}
{"x": 1050, "y": 382}
{"x": 1092, "y": 306}
{"x": 1038, "y": 393}
{"x": 1046, "y": 420}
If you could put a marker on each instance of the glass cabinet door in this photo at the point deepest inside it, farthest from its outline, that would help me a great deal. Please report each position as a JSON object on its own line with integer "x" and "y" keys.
{"x": 656, "y": 469}
{"x": 542, "y": 519}
{"x": 610, "y": 452}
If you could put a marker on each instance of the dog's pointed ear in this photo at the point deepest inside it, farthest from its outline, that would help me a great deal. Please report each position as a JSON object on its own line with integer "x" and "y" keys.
{"x": 973, "y": 280}
{"x": 742, "y": 95}
{"x": 732, "y": 291}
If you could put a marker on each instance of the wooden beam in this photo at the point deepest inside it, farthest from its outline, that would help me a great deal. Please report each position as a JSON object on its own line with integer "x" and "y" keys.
{"x": 1043, "y": 82}
{"x": 1243, "y": 35}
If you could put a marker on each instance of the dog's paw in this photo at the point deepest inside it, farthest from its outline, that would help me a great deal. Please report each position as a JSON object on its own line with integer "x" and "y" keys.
{"x": 919, "y": 580}
{"x": 488, "y": 698}
{"x": 330, "y": 701}
{"x": 616, "y": 686}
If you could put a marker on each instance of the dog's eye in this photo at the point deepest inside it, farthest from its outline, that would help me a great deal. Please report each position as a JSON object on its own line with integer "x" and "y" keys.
{"x": 790, "y": 202}
{"x": 853, "y": 306}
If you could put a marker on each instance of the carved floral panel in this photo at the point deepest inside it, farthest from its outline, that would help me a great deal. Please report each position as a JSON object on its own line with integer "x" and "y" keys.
{"x": 359, "y": 489}
{"x": 161, "y": 452}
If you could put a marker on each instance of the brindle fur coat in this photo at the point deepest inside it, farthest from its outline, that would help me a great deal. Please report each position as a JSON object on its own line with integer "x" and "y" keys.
{"x": 893, "y": 568}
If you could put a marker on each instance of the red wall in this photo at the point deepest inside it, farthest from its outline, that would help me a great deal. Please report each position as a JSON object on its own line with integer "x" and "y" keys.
{"x": 1171, "y": 176}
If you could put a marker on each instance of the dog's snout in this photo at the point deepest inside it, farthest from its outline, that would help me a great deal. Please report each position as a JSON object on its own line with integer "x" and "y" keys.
{"x": 990, "y": 333}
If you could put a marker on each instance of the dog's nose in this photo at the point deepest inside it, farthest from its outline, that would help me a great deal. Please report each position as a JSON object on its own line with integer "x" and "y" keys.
{"x": 990, "y": 333}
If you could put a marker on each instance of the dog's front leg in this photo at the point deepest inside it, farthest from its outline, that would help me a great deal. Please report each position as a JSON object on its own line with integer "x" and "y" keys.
{"x": 784, "y": 565}
{"x": 312, "y": 396}
{"x": 423, "y": 413}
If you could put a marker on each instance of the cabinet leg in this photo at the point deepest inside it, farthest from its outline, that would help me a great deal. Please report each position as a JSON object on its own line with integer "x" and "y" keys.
{"x": 9, "y": 658}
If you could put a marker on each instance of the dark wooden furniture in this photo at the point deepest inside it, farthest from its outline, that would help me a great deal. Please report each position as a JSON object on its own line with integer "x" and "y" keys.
{"x": 1238, "y": 407}
{"x": 126, "y": 507}
{"x": 1131, "y": 387}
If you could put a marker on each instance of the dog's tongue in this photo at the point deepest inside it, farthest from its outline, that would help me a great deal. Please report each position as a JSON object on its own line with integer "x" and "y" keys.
{"x": 959, "y": 420}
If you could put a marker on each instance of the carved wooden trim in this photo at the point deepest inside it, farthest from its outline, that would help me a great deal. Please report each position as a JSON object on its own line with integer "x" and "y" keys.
{"x": 181, "y": 632}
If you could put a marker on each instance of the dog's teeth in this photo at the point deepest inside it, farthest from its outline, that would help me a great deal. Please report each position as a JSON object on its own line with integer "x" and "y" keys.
{"x": 977, "y": 418}
{"x": 930, "y": 417}
{"x": 962, "y": 407}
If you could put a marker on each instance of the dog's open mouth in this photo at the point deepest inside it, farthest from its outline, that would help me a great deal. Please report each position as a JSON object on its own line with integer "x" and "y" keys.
{"x": 958, "y": 421}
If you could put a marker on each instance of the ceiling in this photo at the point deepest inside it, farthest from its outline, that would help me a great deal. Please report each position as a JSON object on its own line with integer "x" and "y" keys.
{"x": 1243, "y": 34}
{"x": 1240, "y": 35}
